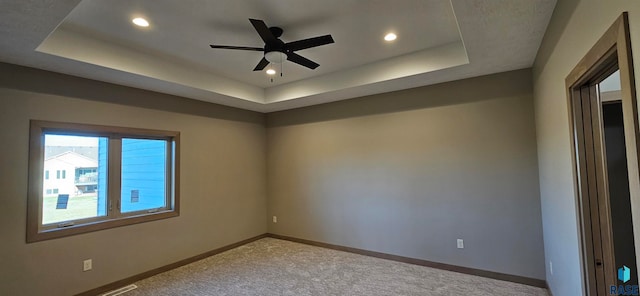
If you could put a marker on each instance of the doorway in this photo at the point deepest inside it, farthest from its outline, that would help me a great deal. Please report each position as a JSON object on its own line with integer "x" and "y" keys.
{"x": 603, "y": 112}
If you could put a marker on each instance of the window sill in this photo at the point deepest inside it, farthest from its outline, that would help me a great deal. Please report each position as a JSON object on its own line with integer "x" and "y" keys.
{"x": 35, "y": 235}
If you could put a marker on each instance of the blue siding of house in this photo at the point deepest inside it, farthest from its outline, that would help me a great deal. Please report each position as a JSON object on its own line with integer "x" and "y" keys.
{"x": 143, "y": 170}
{"x": 103, "y": 146}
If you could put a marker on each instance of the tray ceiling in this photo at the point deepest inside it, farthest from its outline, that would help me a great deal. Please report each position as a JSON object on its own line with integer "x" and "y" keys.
{"x": 438, "y": 41}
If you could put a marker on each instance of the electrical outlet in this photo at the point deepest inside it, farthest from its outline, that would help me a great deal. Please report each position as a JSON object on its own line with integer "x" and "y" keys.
{"x": 460, "y": 244}
{"x": 275, "y": 219}
{"x": 551, "y": 267}
{"x": 87, "y": 265}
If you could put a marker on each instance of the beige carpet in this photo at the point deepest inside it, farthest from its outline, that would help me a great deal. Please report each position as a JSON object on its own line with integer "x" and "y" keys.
{"x": 276, "y": 267}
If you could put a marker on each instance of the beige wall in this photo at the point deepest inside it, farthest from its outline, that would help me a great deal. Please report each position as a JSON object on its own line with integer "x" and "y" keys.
{"x": 575, "y": 27}
{"x": 409, "y": 172}
{"x": 222, "y": 182}
{"x": 404, "y": 173}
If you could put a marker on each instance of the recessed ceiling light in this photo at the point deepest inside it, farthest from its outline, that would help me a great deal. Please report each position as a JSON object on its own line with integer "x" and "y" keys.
{"x": 271, "y": 72}
{"x": 390, "y": 37}
{"x": 140, "y": 22}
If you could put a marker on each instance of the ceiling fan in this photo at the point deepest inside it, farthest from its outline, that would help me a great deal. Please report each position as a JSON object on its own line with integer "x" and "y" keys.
{"x": 276, "y": 51}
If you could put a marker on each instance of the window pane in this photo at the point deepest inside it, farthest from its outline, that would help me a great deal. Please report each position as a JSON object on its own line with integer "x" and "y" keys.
{"x": 66, "y": 198}
{"x": 144, "y": 171}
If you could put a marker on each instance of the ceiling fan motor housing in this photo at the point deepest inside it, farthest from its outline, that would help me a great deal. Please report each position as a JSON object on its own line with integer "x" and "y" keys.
{"x": 276, "y": 31}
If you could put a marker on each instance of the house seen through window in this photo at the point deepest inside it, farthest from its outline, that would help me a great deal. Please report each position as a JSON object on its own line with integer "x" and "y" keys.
{"x": 143, "y": 172}
{"x": 75, "y": 154}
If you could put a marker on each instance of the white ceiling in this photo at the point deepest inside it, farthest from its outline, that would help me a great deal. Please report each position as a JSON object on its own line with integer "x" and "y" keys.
{"x": 438, "y": 41}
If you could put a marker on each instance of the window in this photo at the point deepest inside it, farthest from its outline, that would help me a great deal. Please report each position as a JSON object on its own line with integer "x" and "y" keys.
{"x": 119, "y": 176}
{"x": 134, "y": 196}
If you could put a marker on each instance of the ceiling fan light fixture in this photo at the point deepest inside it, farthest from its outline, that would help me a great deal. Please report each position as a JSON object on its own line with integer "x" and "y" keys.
{"x": 271, "y": 72}
{"x": 275, "y": 57}
{"x": 390, "y": 37}
{"x": 140, "y": 22}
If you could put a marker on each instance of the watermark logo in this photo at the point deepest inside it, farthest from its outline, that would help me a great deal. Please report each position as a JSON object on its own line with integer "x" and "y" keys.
{"x": 624, "y": 275}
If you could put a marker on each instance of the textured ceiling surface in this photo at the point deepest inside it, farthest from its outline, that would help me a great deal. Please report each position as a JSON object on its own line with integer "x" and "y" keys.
{"x": 438, "y": 41}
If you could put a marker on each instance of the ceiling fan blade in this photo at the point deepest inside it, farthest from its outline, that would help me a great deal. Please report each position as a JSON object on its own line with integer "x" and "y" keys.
{"x": 300, "y": 60}
{"x": 261, "y": 65}
{"x": 237, "y": 47}
{"x": 263, "y": 31}
{"x": 308, "y": 43}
